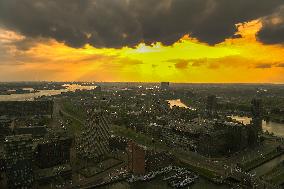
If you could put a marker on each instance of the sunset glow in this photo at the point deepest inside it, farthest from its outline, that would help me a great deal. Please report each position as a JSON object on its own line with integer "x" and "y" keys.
{"x": 242, "y": 59}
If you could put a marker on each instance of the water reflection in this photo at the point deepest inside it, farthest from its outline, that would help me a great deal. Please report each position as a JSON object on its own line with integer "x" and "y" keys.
{"x": 32, "y": 96}
{"x": 272, "y": 127}
{"x": 177, "y": 102}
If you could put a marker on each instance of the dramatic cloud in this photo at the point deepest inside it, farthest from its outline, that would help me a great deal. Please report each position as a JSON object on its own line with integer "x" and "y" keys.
{"x": 117, "y": 23}
{"x": 225, "y": 62}
{"x": 180, "y": 63}
{"x": 272, "y": 31}
{"x": 237, "y": 59}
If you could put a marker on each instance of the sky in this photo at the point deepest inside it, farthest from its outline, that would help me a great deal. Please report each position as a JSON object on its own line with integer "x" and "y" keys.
{"x": 188, "y": 41}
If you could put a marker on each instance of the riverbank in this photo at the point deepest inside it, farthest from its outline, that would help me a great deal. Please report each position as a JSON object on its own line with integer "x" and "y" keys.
{"x": 249, "y": 165}
{"x": 276, "y": 175}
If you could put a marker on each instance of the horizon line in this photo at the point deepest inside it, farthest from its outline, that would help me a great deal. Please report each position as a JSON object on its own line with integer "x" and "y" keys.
{"x": 244, "y": 83}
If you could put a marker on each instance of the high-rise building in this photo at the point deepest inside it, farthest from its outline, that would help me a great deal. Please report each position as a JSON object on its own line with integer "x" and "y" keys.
{"x": 211, "y": 105}
{"x": 18, "y": 161}
{"x": 165, "y": 85}
{"x": 142, "y": 160}
{"x": 257, "y": 114}
{"x": 94, "y": 140}
{"x": 136, "y": 158}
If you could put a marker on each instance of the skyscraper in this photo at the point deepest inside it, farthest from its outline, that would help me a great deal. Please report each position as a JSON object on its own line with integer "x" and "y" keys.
{"x": 165, "y": 85}
{"x": 257, "y": 114}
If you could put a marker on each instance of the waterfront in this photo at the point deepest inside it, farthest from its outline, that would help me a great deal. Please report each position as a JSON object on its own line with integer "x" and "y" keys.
{"x": 178, "y": 103}
{"x": 31, "y": 96}
{"x": 266, "y": 167}
{"x": 271, "y": 127}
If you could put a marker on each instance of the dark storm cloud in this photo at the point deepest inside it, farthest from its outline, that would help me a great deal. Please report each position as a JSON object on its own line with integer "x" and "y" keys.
{"x": 116, "y": 23}
{"x": 272, "y": 31}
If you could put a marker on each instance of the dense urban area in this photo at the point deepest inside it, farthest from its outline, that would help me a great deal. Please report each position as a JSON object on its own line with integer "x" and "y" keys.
{"x": 141, "y": 135}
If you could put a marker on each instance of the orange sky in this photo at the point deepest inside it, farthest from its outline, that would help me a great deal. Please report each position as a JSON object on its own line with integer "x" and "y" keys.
{"x": 188, "y": 60}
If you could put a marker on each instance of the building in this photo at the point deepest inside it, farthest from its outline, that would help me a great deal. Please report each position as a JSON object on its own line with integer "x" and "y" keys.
{"x": 165, "y": 85}
{"x": 53, "y": 151}
{"x": 2, "y": 168}
{"x": 35, "y": 131}
{"x": 157, "y": 160}
{"x": 257, "y": 114}
{"x": 26, "y": 108}
{"x": 94, "y": 140}
{"x": 5, "y": 129}
{"x": 118, "y": 143}
{"x": 142, "y": 160}
{"x": 225, "y": 138}
{"x": 47, "y": 176}
{"x": 18, "y": 161}
{"x": 211, "y": 105}
{"x": 136, "y": 158}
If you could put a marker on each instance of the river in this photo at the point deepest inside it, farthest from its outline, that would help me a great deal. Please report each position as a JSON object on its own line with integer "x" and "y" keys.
{"x": 268, "y": 166}
{"x": 278, "y": 130}
{"x": 32, "y": 96}
{"x": 272, "y": 127}
{"x": 178, "y": 103}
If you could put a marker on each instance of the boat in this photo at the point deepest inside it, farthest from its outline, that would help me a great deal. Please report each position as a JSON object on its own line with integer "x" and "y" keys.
{"x": 186, "y": 182}
{"x": 132, "y": 179}
{"x": 170, "y": 177}
{"x": 149, "y": 176}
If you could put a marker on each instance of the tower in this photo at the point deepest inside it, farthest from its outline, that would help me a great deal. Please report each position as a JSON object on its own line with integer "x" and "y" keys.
{"x": 165, "y": 85}
{"x": 257, "y": 114}
{"x": 211, "y": 105}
